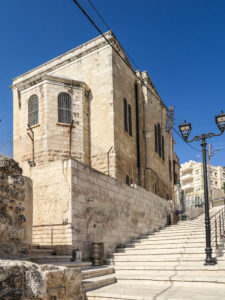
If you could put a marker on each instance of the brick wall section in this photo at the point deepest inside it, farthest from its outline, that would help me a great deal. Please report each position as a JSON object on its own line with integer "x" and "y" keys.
{"x": 106, "y": 210}
{"x": 15, "y": 211}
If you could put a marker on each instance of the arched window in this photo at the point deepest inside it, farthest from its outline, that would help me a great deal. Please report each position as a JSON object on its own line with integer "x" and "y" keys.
{"x": 33, "y": 107}
{"x": 64, "y": 108}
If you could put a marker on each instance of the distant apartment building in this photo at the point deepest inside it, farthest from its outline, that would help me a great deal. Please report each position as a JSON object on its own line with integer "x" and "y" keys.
{"x": 192, "y": 182}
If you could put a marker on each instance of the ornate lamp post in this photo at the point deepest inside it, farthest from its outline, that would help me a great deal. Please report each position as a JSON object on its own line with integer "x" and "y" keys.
{"x": 185, "y": 130}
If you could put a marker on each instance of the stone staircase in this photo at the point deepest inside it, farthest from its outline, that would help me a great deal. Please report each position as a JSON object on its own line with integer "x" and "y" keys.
{"x": 93, "y": 277}
{"x": 168, "y": 264}
{"x": 96, "y": 277}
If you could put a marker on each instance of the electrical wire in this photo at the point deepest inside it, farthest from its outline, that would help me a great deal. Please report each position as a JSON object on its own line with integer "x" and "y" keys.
{"x": 108, "y": 27}
{"x": 117, "y": 52}
{"x": 98, "y": 13}
{"x": 185, "y": 141}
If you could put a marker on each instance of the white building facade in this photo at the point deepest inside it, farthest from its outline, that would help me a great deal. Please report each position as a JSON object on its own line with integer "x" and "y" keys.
{"x": 192, "y": 182}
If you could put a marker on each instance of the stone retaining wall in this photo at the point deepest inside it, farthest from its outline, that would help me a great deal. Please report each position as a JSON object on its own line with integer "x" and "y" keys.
{"x": 80, "y": 206}
{"x": 106, "y": 210}
{"x": 15, "y": 210}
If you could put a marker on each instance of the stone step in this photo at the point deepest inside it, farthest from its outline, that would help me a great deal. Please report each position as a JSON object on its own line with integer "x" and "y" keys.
{"x": 41, "y": 252}
{"x": 159, "y": 254}
{"x": 98, "y": 282}
{"x": 97, "y": 271}
{"x": 189, "y": 262}
{"x": 158, "y": 291}
{"x": 169, "y": 239}
{"x": 187, "y": 275}
{"x": 170, "y": 276}
{"x": 165, "y": 242}
{"x": 73, "y": 264}
{"x": 187, "y": 224}
{"x": 174, "y": 235}
{"x": 168, "y": 266}
{"x": 159, "y": 258}
{"x": 183, "y": 230}
{"x": 164, "y": 246}
{"x": 51, "y": 259}
{"x": 151, "y": 251}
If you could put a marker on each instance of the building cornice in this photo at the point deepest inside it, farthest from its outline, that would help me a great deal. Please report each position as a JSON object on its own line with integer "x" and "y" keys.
{"x": 72, "y": 55}
{"x": 50, "y": 78}
{"x": 147, "y": 80}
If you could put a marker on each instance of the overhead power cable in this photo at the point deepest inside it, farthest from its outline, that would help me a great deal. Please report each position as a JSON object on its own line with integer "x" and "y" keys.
{"x": 102, "y": 34}
{"x": 185, "y": 141}
{"x": 98, "y": 13}
{"x": 108, "y": 27}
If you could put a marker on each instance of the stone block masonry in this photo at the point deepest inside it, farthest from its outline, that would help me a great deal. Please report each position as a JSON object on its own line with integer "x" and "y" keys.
{"x": 15, "y": 210}
{"x": 109, "y": 211}
{"x": 94, "y": 207}
{"x": 19, "y": 279}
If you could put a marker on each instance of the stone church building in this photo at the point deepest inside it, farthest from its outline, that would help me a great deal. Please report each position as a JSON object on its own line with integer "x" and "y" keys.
{"x": 88, "y": 108}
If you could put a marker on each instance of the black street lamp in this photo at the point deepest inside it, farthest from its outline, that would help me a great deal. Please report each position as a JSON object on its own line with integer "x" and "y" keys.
{"x": 185, "y": 130}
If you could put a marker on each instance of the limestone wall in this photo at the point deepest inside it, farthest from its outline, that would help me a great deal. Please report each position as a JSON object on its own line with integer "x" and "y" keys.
{"x": 106, "y": 210}
{"x": 52, "y": 205}
{"x": 125, "y": 144}
{"x": 155, "y": 113}
{"x": 15, "y": 211}
{"x": 51, "y": 138}
{"x": 81, "y": 205}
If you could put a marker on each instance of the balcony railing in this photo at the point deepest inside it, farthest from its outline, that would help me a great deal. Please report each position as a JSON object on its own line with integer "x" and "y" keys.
{"x": 218, "y": 231}
{"x": 186, "y": 176}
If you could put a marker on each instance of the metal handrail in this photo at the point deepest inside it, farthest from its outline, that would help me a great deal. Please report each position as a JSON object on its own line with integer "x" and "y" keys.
{"x": 217, "y": 213}
{"x": 217, "y": 222}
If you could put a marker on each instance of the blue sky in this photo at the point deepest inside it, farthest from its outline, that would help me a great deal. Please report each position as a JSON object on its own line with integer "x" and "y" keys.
{"x": 181, "y": 43}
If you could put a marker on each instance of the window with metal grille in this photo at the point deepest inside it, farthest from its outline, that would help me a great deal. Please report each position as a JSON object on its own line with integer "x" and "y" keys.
{"x": 64, "y": 108}
{"x": 33, "y": 107}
